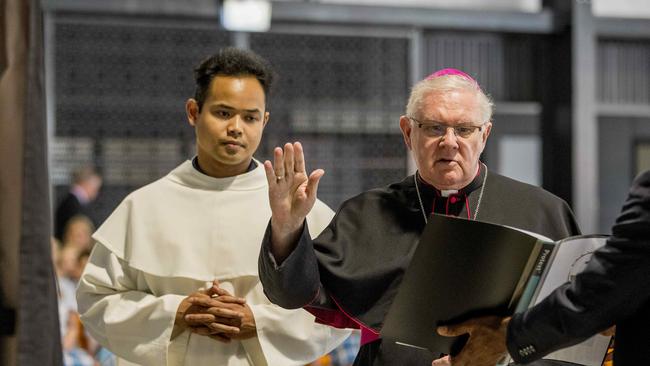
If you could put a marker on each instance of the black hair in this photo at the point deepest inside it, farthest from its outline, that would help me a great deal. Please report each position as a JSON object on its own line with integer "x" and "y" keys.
{"x": 232, "y": 62}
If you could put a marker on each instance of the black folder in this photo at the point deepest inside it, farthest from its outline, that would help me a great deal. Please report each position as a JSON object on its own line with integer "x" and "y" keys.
{"x": 461, "y": 269}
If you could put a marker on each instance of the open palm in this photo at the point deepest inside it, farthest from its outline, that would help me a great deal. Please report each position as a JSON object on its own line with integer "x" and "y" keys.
{"x": 292, "y": 193}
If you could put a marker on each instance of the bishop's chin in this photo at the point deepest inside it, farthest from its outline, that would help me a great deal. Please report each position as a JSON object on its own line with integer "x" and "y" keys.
{"x": 449, "y": 180}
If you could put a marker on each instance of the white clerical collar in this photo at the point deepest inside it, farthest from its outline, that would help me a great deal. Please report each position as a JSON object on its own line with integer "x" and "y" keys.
{"x": 448, "y": 192}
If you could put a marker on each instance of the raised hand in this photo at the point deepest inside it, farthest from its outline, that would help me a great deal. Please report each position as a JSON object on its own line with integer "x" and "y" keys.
{"x": 292, "y": 194}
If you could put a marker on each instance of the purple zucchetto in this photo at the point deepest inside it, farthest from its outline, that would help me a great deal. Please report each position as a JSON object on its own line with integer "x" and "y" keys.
{"x": 451, "y": 71}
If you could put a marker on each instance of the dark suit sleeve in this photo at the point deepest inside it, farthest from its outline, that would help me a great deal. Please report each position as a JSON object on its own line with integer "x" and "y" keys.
{"x": 611, "y": 289}
{"x": 295, "y": 283}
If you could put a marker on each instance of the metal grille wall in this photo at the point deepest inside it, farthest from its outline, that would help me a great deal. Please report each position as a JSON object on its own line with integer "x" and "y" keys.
{"x": 121, "y": 84}
{"x": 624, "y": 72}
{"x": 126, "y": 80}
{"x": 502, "y": 64}
{"x": 623, "y": 88}
{"x": 342, "y": 97}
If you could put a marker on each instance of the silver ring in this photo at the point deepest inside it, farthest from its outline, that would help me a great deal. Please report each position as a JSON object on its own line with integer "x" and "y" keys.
{"x": 278, "y": 178}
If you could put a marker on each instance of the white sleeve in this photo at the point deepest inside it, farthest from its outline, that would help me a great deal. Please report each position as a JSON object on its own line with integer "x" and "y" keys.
{"x": 291, "y": 337}
{"x": 120, "y": 312}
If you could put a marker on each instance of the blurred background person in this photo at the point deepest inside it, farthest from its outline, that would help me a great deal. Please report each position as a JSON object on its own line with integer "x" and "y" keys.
{"x": 344, "y": 354}
{"x": 86, "y": 183}
{"x": 77, "y": 233}
{"x": 79, "y": 348}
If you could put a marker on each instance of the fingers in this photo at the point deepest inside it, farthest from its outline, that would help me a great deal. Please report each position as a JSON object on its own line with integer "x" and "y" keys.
{"x": 288, "y": 159}
{"x": 454, "y": 330}
{"x": 223, "y": 328}
{"x": 278, "y": 163}
{"x": 270, "y": 173}
{"x": 286, "y": 162}
{"x": 464, "y": 327}
{"x": 194, "y": 320}
{"x": 229, "y": 302}
{"x": 312, "y": 184}
{"x": 470, "y": 326}
{"x": 228, "y": 299}
{"x": 213, "y": 290}
{"x": 299, "y": 158}
{"x": 225, "y": 313}
{"x": 214, "y": 328}
{"x": 444, "y": 361}
{"x": 222, "y": 295}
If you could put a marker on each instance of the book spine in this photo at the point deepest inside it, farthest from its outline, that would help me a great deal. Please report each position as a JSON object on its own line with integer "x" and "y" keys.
{"x": 543, "y": 258}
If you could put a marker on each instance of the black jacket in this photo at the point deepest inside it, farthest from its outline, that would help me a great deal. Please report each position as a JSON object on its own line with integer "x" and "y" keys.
{"x": 613, "y": 289}
{"x": 68, "y": 208}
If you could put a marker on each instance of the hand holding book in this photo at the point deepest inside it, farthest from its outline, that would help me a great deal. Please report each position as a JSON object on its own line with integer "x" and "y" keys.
{"x": 486, "y": 344}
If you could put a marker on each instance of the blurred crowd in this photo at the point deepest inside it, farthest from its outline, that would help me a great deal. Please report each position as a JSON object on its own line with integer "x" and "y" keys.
{"x": 71, "y": 248}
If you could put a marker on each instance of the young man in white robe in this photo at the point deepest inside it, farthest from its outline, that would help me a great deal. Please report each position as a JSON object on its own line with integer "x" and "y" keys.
{"x": 173, "y": 279}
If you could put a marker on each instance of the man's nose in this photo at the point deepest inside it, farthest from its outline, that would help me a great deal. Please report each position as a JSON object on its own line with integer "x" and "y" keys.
{"x": 449, "y": 138}
{"x": 234, "y": 125}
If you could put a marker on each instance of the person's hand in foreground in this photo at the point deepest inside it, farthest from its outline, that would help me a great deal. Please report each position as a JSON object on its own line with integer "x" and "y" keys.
{"x": 486, "y": 345}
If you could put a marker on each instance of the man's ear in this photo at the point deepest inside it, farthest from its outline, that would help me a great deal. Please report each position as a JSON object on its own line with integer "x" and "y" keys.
{"x": 192, "y": 111}
{"x": 267, "y": 115}
{"x": 486, "y": 133}
{"x": 407, "y": 128}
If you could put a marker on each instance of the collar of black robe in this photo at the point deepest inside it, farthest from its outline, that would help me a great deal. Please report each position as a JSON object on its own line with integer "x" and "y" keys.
{"x": 462, "y": 203}
{"x": 195, "y": 164}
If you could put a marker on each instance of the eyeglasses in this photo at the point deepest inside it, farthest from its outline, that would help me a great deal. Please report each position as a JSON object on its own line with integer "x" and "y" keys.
{"x": 436, "y": 129}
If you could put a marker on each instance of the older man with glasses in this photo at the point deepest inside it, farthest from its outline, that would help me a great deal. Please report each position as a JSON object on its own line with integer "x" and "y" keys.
{"x": 348, "y": 276}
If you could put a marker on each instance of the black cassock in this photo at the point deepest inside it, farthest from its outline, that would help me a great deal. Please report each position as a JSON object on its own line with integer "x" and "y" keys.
{"x": 349, "y": 275}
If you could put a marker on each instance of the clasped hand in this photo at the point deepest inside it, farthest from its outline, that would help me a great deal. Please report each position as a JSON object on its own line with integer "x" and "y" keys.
{"x": 217, "y": 314}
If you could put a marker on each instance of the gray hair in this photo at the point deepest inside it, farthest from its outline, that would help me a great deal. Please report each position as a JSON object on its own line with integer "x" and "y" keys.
{"x": 448, "y": 83}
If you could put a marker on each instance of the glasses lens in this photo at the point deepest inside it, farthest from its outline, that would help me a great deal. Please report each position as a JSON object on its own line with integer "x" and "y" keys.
{"x": 438, "y": 129}
{"x": 435, "y": 129}
{"x": 464, "y": 131}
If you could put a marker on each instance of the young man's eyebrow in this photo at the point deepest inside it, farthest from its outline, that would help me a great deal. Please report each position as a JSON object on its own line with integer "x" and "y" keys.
{"x": 222, "y": 106}
{"x": 225, "y": 106}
